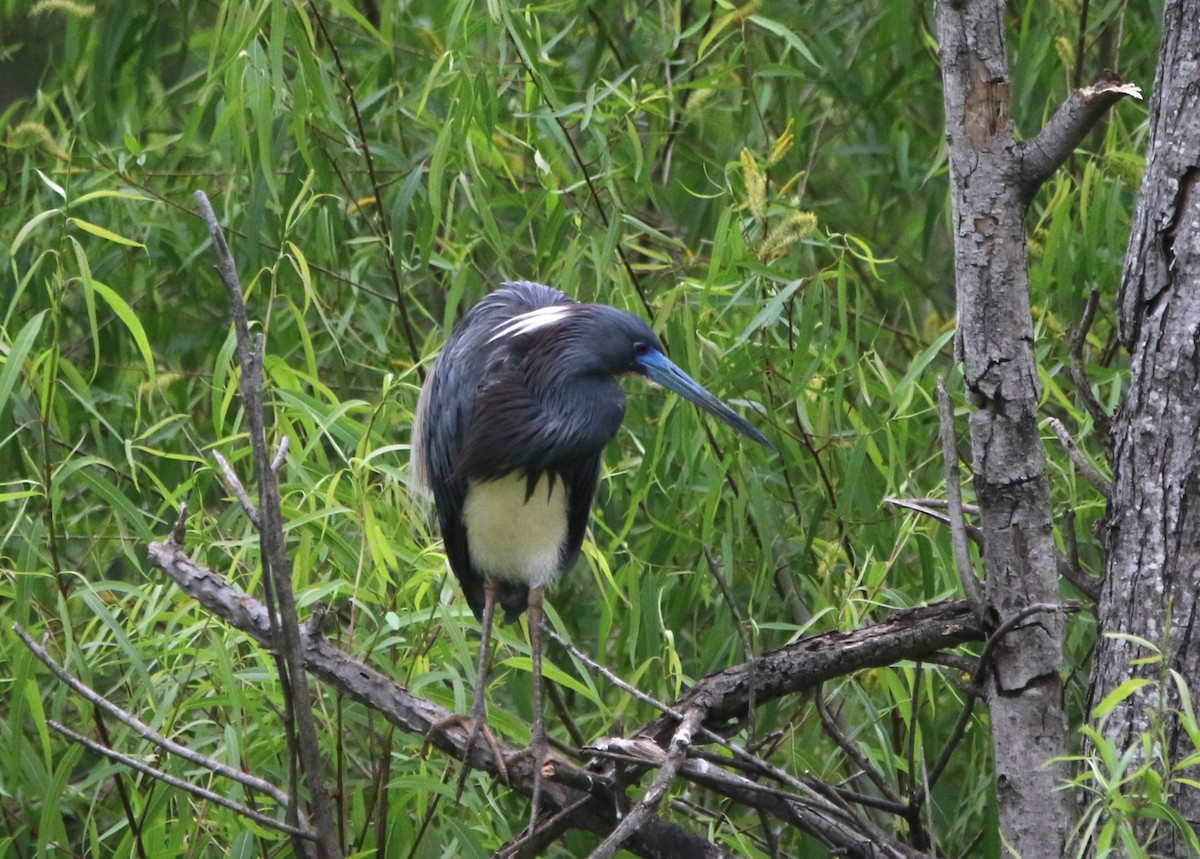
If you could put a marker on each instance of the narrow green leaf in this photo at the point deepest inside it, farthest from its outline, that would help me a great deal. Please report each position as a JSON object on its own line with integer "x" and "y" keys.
{"x": 16, "y": 357}
{"x": 770, "y": 311}
{"x": 787, "y": 35}
{"x": 52, "y": 185}
{"x": 31, "y": 225}
{"x": 1118, "y": 695}
{"x": 97, "y": 230}
{"x": 125, "y": 313}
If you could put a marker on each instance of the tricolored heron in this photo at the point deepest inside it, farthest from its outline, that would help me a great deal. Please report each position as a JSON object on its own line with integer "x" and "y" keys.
{"x": 510, "y": 433}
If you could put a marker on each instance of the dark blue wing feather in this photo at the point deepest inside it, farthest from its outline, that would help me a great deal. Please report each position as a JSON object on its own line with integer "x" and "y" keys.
{"x": 471, "y": 362}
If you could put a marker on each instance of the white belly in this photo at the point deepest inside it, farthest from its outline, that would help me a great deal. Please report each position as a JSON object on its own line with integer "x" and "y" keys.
{"x": 512, "y": 539}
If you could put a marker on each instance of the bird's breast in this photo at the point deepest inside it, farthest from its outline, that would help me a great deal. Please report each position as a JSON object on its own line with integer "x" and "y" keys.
{"x": 514, "y": 538}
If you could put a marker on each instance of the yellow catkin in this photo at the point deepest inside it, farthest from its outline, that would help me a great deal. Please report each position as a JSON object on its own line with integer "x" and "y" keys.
{"x": 790, "y": 230}
{"x": 782, "y": 145}
{"x": 756, "y": 185}
{"x": 36, "y": 131}
{"x": 75, "y": 10}
{"x": 1066, "y": 51}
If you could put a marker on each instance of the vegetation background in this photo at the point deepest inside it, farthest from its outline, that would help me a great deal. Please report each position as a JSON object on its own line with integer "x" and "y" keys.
{"x": 766, "y": 182}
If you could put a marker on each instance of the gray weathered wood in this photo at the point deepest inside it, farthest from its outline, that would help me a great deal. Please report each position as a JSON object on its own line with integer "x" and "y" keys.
{"x": 993, "y": 177}
{"x": 1153, "y": 571}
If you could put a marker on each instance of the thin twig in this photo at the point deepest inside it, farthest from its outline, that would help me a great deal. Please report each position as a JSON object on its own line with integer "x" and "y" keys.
{"x": 582, "y": 165}
{"x": 180, "y": 784}
{"x": 740, "y": 625}
{"x": 179, "y": 529}
{"x": 911, "y": 753}
{"x": 1083, "y": 385}
{"x": 144, "y": 730}
{"x": 958, "y": 530}
{"x": 1090, "y": 473}
{"x": 930, "y": 506}
{"x": 610, "y": 676}
{"x": 535, "y": 841}
{"x": 280, "y": 455}
{"x": 834, "y": 730}
{"x": 675, "y": 757}
{"x": 277, "y": 566}
{"x": 135, "y": 825}
{"x": 924, "y": 504}
{"x": 1070, "y": 566}
{"x": 959, "y": 731}
{"x": 385, "y": 227}
{"x": 932, "y": 835}
{"x": 234, "y": 485}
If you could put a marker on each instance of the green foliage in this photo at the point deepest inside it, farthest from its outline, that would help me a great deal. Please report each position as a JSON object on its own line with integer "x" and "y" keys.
{"x": 766, "y": 182}
{"x": 1123, "y": 787}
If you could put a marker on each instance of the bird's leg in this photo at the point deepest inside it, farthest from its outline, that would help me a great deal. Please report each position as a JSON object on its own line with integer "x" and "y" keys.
{"x": 478, "y": 718}
{"x": 479, "y": 723}
{"x": 538, "y": 744}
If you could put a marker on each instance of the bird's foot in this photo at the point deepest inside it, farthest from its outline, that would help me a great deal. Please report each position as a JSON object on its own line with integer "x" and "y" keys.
{"x": 475, "y": 727}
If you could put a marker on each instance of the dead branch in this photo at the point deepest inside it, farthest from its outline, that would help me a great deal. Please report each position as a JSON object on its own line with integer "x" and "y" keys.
{"x": 141, "y": 728}
{"x": 300, "y": 725}
{"x": 589, "y": 793}
{"x": 804, "y": 665}
{"x": 958, "y": 524}
{"x": 1075, "y": 117}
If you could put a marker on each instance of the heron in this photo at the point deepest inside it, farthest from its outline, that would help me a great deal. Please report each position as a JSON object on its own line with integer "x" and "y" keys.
{"x": 509, "y": 436}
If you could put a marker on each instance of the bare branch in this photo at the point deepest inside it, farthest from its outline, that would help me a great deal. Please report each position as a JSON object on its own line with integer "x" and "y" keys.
{"x": 803, "y": 665}
{"x": 180, "y": 784}
{"x": 234, "y": 484}
{"x": 1083, "y": 386}
{"x": 277, "y": 566}
{"x": 144, "y": 730}
{"x": 668, "y": 769}
{"x": 958, "y": 528}
{"x": 1090, "y": 473}
{"x": 1075, "y": 117}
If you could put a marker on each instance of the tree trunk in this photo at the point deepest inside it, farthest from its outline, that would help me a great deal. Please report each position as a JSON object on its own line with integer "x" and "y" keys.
{"x": 1154, "y": 512}
{"x": 990, "y": 193}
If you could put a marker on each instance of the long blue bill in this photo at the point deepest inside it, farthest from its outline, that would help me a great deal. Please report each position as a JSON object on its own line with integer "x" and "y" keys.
{"x": 661, "y": 370}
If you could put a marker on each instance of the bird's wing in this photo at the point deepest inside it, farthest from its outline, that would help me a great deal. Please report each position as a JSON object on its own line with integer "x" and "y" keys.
{"x": 470, "y": 362}
{"x": 581, "y": 488}
{"x": 514, "y": 431}
{"x": 443, "y": 418}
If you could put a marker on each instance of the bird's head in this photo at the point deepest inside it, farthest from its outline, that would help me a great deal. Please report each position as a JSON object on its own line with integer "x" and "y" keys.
{"x": 618, "y": 342}
{"x": 568, "y": 342}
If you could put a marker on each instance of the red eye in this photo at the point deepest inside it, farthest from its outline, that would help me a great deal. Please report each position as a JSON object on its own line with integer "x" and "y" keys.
{"x": 640, "y": 349}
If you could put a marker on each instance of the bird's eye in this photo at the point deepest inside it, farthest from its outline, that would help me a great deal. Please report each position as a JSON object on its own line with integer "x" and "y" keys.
{"x": 640, "y": 349}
